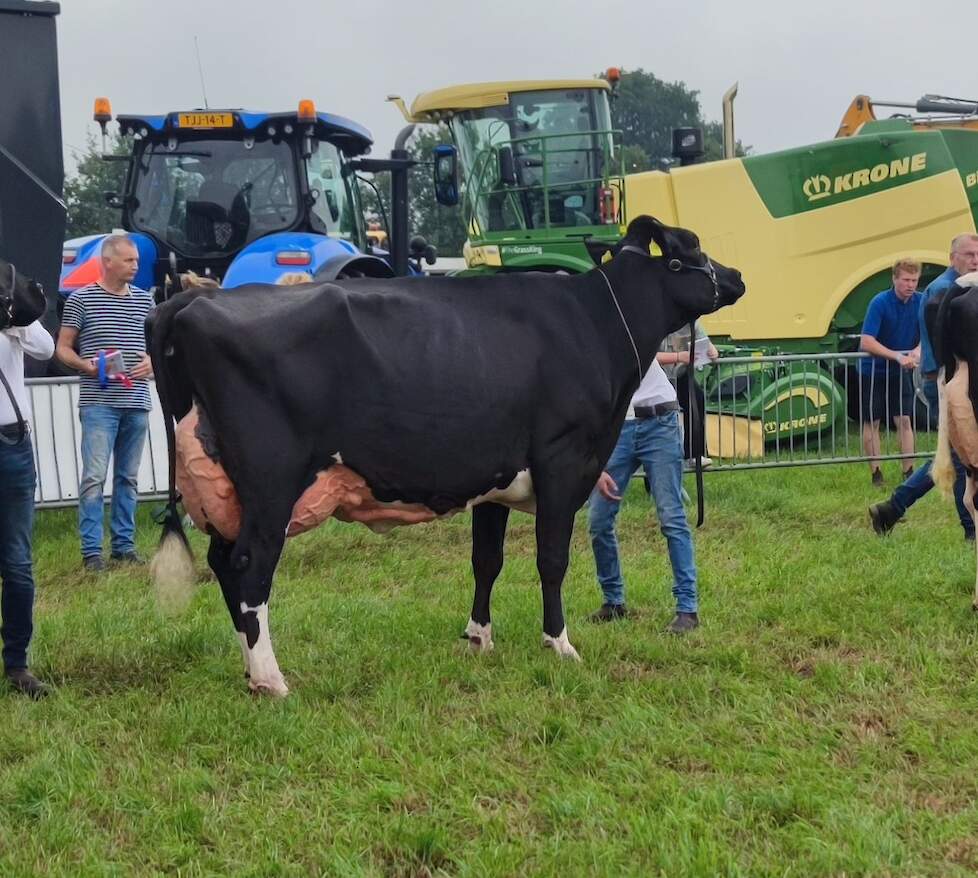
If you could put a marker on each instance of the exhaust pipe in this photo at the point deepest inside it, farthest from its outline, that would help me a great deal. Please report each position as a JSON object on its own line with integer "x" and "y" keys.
{"x": 729, "y": 144}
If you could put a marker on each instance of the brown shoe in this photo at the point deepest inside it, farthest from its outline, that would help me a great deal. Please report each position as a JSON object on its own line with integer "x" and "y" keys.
{"x": 609, "y": 613}
{"x": 25, "y": 682}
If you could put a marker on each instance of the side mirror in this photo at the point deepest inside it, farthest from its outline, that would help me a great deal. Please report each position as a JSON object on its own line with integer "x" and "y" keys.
{"x": 687, "y": 145}
{"x": 113, "y": 199}
{"x": 507, "y": 166}
{"x": 446, "y": 174}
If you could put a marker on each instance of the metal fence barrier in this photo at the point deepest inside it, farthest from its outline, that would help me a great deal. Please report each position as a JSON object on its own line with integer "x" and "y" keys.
{"x": 807, "y": 409}
{"x": 57, "y": 445}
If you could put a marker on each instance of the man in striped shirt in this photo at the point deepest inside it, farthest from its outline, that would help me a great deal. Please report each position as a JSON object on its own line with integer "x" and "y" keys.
{"x": 113, "y": 408}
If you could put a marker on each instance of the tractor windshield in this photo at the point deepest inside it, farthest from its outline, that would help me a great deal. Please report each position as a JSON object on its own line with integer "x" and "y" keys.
{"x": 540, "y": 161}
{"x": 211, "y": 197}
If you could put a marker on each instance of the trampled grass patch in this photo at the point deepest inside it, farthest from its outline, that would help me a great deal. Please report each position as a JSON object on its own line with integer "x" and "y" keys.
{"x": 821, "y": 722}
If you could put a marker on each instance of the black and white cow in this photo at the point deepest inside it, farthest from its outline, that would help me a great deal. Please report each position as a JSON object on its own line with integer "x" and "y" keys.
{"x": 431, "y": 393}
{"x": 954, "y": 333}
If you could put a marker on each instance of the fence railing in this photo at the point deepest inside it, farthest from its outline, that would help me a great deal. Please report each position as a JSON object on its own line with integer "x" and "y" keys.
{"x": 57, "y": 445}
{"x": 807, "y": 409}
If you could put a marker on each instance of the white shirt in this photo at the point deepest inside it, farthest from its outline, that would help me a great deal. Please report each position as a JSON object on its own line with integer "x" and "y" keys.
{"x": 655, "y": 389}
{"x": 15, "y": 341}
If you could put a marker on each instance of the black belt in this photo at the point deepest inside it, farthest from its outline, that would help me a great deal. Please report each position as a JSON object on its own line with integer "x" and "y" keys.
{"x": 12, "y": 431}
{"x": 654, "y": 411}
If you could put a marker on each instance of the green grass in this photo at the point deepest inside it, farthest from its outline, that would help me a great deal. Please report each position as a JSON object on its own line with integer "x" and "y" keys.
{"x": 821, "y": 722}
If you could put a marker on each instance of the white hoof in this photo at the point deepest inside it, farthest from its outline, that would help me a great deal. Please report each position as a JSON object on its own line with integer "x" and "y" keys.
{"x": 274, "y": 686}
{"x": 480, "y": 637}
{"x": 561, "y": 645}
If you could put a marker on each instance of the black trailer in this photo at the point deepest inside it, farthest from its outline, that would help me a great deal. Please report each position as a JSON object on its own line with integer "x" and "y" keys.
{"x": 32, "y": 213}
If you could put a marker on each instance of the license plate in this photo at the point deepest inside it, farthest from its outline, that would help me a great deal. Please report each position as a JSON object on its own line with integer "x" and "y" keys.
{"x": 205, "y": 120}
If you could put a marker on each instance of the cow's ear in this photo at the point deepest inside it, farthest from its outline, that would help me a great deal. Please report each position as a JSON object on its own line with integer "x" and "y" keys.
{"x": 643, "y": 230}
{"x": 596, "y": 250}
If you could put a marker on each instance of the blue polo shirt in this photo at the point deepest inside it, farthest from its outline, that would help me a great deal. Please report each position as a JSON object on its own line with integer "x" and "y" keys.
{"x": 892, "y": 323}
{"x": 928, "y": 363}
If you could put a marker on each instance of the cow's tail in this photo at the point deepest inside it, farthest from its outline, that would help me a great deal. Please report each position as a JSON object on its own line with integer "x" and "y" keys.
{"x": 942, "y": 470}
{"x": 172, "y": 568}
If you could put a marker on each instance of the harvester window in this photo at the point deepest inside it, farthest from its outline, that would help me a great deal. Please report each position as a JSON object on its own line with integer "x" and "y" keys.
{"x": 560, "y": 144}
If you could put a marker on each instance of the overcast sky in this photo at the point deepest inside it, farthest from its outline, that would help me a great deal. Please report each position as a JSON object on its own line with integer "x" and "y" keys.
{"x": 798, "y": 64}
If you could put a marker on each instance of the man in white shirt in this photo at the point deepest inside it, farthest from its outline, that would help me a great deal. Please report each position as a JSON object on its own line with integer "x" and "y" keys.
{"x": 17, "y": 481}
{"x": 651, "y": 438}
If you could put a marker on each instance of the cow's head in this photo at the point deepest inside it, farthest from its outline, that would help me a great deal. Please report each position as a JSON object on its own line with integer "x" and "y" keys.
{"x": 21, "y": 298}
{"x": 692, "y": 284}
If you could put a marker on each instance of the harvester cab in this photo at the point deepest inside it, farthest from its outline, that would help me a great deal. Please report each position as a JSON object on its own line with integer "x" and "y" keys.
{"x": 541, "y": 167}
{"x": 239, "y": 196}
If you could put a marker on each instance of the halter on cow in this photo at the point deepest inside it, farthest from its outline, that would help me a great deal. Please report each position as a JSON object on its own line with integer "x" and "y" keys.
{"x": 443, "y": 393}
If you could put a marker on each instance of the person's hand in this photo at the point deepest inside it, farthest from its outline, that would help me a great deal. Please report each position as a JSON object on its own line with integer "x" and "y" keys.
{"x": 711, "y": 352}
{"x": 91, "y": 368}
{"x": 142, "y": 369}
{"x": 907, "y": 361}
{"x": 607, "y": 488}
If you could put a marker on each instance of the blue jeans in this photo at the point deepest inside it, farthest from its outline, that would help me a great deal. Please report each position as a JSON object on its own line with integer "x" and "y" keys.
{"x": 120, "y": 432}
{"x": 919, "y": 482}
{"x": 655, "y": 444}
{"x": 17, "y": 479}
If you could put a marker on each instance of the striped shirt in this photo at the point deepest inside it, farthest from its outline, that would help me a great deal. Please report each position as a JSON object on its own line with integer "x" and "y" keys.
{"x": 106, "y": 320}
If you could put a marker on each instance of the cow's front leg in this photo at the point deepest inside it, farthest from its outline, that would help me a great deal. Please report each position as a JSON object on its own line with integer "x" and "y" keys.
{"x": 554, "y": 529}
{"x": 488, "y": 535}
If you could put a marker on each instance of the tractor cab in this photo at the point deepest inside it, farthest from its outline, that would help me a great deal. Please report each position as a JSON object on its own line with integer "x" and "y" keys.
{"x": 237, "y": 195}
{"x": 541, "y": 170}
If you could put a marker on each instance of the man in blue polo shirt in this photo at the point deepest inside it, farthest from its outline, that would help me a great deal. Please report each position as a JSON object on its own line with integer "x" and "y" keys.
{"x": 891, "y": 335}
{"x": 964, "y": 259}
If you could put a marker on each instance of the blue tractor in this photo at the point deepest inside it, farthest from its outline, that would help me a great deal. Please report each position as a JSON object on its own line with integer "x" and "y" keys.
{"x": 244, "y": 197}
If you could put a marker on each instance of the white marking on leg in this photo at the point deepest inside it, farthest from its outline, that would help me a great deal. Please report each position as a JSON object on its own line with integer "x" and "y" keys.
{"x": 265, "y": 674}
{"x": 561, "y": 645}
{"x": 480, "y": 636}
{"x": 243, "y": 643}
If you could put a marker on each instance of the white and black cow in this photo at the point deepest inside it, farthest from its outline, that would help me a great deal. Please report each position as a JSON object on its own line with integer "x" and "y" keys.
{"x": 416, "y": 395}
{"x": 954, "y": 333}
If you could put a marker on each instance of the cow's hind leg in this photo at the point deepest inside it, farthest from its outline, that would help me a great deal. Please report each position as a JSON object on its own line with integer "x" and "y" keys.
{"x": 255, "y": 555}
{"x": 488, "y": 535}
{"x": 219, "y": 559}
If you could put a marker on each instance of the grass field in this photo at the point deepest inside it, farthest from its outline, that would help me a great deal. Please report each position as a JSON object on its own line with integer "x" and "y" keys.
{"x": 821, "y": 722}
